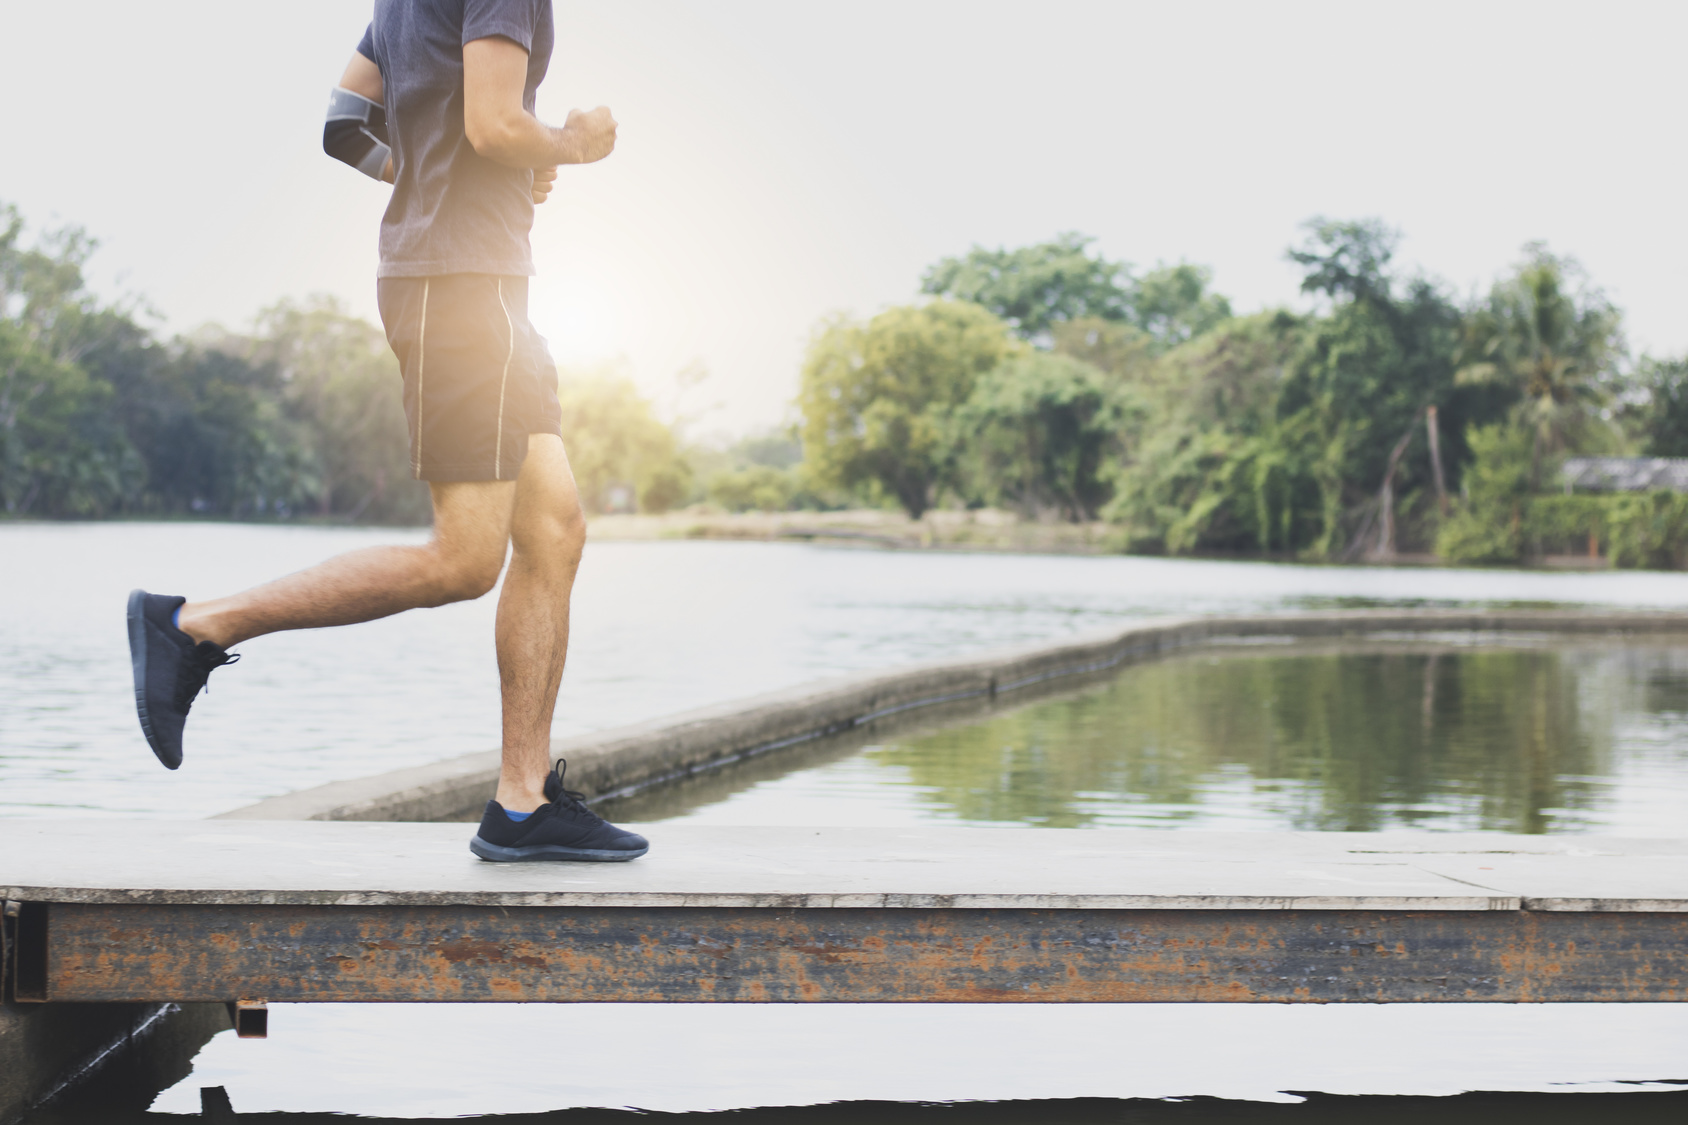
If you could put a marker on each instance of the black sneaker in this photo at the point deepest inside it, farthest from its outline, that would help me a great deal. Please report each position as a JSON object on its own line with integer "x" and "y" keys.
{"x": 564, "y": 829}
{"x": 170, "y": 670}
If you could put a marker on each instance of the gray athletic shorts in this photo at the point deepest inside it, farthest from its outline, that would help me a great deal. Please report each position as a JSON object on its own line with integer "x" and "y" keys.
{"x": 477, "y": 377}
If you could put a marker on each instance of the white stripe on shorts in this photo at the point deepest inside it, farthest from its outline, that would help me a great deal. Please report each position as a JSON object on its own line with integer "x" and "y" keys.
{"x": 498, "y": 457}
{"x": 421, "y": 362}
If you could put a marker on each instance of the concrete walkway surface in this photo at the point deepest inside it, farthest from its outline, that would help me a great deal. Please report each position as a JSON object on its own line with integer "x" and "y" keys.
{"x": 373, "y": 864}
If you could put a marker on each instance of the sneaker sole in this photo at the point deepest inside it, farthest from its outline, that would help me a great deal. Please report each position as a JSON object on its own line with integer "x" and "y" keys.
{"x": 138, "y": 660}
{"x": 554, "y": 853}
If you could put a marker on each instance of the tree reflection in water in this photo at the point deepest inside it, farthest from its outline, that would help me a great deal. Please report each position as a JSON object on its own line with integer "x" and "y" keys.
{"x": 1514, "y": 739}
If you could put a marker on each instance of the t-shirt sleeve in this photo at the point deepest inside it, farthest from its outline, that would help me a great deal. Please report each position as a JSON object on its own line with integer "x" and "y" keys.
{"x": 513, "y": 19}
{"x": 366, "y": 45}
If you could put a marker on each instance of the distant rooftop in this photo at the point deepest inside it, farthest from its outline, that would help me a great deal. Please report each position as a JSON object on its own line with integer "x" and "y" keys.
{"x": 1626, "y": 474}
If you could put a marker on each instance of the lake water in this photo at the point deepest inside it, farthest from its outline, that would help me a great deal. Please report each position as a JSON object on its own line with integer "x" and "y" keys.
{"x": 1502, "y": 733}
{"x": 1519, "y": 734}
{"x": 658, "y": 628}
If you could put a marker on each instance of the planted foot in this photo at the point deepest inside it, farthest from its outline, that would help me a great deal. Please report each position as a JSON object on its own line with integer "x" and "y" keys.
{"x": 562, "y": 829}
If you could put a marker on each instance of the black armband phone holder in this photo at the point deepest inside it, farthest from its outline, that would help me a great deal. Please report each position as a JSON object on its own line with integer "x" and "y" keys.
{"x": 356, "y": 132}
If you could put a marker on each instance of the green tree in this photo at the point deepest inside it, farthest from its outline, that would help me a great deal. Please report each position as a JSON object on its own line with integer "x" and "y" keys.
{"x": 1346, "y": 258}
{"x": 1658, "y": 416}
{"x": 1036, "y": 434}
{"x": 1212, "y": 469}
{"x": 1037, "y": 287}
{"x": 60, "y": 454}
{"x": 1488, "y": 526}
{"x": 1041, "y": 290}
{"x": 1121, "y": 350}
{"x": 1364, "y": 376}
{"x": 101, "y": 418}
{"x": 43, "y": 294}
{"x": 216, "y": 440}
{"x": 1276, "y": 432}
{"x": 1552, "y": 340}
{"x": 340, "y": 383}
{"x": 617, "y": 445}
{"x": 876, "y": 398}
{"x": 1173, "y": 304}
{"x": 62, "y": 451}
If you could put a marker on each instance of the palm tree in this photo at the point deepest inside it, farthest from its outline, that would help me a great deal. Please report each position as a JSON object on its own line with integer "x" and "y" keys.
{"x": 1552, "y": 339}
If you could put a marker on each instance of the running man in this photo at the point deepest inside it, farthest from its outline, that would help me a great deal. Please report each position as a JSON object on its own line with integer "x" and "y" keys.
{"x": 438, "y": 100}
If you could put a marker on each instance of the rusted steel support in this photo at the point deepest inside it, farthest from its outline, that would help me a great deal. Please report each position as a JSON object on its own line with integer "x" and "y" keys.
{"x": 250, "y": 1018}
{"x": 26, "y": 953}
{"x": 97, "y": 952}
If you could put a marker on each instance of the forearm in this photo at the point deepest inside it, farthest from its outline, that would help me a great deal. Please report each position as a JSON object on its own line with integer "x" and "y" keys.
{"x": 501, "y": 129}
{"x": 526, "y": 142}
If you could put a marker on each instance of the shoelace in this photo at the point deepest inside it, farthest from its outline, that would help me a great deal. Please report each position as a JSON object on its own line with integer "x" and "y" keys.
{"x": 568, "y": 799}
{"x": 187, "y": 690}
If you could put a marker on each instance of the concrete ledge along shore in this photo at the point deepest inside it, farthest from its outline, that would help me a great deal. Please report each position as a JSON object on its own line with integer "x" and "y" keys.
{"x": 627, "y": 759}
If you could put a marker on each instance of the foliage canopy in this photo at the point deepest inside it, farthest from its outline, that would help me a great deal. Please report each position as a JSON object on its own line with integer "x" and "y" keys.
{"x": 877, "y": 397}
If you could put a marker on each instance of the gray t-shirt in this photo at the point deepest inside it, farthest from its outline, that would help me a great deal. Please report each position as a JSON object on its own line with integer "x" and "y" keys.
{"x": 453, "y": 210}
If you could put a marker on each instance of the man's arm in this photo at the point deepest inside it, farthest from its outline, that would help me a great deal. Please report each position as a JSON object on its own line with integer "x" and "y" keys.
{"x": 356, "y": 131}
{"x": 363, "y": 78}
{"x": 494, "y": 76}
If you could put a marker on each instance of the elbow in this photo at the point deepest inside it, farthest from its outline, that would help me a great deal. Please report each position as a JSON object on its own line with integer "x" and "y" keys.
{"x": 356, "y": 133}
{"x": 495, "y": 138}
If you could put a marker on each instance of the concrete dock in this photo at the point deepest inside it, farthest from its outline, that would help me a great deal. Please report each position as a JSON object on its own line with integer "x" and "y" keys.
{"x": 343, "y": 911}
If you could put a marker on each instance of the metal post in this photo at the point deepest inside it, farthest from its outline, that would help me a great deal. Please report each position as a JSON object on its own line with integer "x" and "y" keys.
{"x": 251, "y": 1018}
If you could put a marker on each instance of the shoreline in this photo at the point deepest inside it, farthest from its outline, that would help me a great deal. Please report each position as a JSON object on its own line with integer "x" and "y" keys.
{"x": 984, "y": 530}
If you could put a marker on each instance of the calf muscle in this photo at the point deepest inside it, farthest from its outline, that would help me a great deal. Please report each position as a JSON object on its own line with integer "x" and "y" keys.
{"x": 548, "y": 533}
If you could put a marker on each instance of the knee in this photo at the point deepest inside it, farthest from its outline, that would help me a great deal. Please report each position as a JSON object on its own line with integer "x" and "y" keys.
{"x": 464, "y": 579}
{"x": 558, "y": 539}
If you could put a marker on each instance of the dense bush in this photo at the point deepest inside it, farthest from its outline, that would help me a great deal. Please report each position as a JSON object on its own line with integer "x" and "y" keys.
{"x": 1501, "y": 520}
{"x": 761, "y": 488}
{"x": 1647, "y": 530}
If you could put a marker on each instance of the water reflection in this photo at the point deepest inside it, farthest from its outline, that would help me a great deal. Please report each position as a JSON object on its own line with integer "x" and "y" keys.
{"x": 1525, "y": 735}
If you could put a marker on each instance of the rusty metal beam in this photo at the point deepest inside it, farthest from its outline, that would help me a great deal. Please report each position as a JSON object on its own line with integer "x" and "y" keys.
{"x": 182, "y": 953}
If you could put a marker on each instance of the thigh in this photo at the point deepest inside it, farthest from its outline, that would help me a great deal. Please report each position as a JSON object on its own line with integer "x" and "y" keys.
{"x": 472, "y": 521}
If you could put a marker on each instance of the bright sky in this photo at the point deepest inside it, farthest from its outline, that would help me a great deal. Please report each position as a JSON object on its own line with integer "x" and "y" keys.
{"x": 781, "y": 161}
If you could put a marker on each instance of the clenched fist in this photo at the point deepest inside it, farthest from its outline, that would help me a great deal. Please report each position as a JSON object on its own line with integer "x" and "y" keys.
{"x": 586, "y": 137}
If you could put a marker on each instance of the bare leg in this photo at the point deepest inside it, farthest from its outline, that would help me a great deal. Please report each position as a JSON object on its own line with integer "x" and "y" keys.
{"x": 473, "y": 523}
{"x": 460, "y": 562}
{"x": 547, "y": 533}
